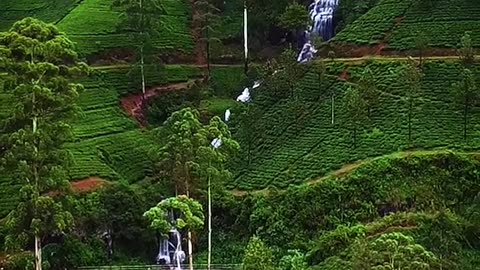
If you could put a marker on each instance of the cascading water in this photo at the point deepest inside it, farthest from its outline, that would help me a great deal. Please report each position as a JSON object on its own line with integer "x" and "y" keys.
{"x": 321, "y": 13}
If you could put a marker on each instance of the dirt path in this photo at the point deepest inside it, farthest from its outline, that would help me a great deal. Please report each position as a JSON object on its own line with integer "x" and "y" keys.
{"x": 134, "y": 104}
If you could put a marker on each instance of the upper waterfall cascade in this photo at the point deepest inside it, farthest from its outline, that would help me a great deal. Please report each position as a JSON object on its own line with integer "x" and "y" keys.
{"x": 321, "y": 13}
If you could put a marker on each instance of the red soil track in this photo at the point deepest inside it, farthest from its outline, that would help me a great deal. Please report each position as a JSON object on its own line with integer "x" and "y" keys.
{"x": 134, "y": 104}
{"x": 88, "y": 185}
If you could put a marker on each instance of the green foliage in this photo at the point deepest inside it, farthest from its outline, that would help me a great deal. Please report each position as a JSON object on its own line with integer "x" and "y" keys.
{"x": 466, "y": 51}
{"x": 40, "y": 65}
{"x": 295, "y": 17}
{"x": 287, "y": 150}
{"x": 18, "y": 261}
{"x": 162, "y": 106}
{"x": 466, "y": 93}
{"x": 190, "y": 213}
{"x": 398, "y": 22}
{"x": 257, "y": 256}
{"x": 393, "y": 251}
{"x": 356, "y": 108}
{"x": 295, "y": 260}
{"x": 74, "y": 253}
{"x": 182, "y": 159}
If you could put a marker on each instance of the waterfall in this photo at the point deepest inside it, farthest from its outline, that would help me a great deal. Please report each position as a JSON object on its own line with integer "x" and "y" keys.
{"x": 321, "y": 13}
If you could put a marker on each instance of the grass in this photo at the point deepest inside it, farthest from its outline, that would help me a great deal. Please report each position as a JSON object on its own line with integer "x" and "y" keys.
{"x": 289, "y": 148}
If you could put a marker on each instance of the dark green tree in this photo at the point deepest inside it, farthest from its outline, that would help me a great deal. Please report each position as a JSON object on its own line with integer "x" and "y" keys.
{"x": 188, "y": 160}
{"x": 466, "y": 50}
{"x": 207, "y": 21}
{"x": 191, "y": 217}
{"x": 368, "y": 89}
{"x": 295, "y": 18}
{"x": 40, "y": 65}
{"x": 141, "y": 19}
{"x": 356, "y": 109}
{"x": 413, "y": 79}
{"x": 213, "y": 169}
{"x": 421, "y": 43}
{"x": 466, "y": 93}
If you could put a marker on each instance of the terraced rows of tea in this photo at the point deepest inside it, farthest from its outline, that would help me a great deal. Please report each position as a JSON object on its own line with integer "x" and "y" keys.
{"x": 49, "y": 11}
{"x": 94, "y": 24}
{"x": 291, "y": 148}
{"x": 398, "y": 22}
{"x": 108, "y": 144}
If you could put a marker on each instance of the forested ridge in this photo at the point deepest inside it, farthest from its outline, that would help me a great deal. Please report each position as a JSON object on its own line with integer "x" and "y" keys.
{"x": 137, "y": 134}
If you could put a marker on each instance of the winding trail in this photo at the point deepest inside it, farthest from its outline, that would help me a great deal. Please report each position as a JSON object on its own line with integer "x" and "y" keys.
{"x": 134, "y": 104}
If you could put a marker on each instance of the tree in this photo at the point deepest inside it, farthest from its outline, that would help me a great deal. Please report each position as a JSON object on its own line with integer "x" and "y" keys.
{"x": 466, "y": 51}
{"x": 207, "y": 20}
{"x": 140, "y": 19}
{"x": 188, "y": 158}
{"x": 295, "y": 18}
{"x": 190, "y": 215}
{"x": 368, "y": 89}
{"x": 393, "y": 251}
{"x": 356, "y": 110}
{"x": 212, "y": 161}
{"x": 39, "y": 64}
{"x": 421, "y": 43}
{"x": 257, "y": 256}
{"x": 466, "y": 93}
{"x": 321, "y": 70}
{"x": 413, "y": 79}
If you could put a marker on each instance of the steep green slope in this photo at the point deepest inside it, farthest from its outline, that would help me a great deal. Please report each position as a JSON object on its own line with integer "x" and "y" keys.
{"x": 431, "y": 196}
{"x": 94, "y": 24}
{"x": 397, "y": 23}
{"x": 107, "y": 142}
{"x": 296, "y": 142}
{"x": 48, "y": 11}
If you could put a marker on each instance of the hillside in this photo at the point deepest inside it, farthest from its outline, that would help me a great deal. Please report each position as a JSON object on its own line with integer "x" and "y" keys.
{"x": 290, "y": 149}
{"x": 95, "y": 24}
{"x": 368, "y": 153}
{"x": 397, "y": 25}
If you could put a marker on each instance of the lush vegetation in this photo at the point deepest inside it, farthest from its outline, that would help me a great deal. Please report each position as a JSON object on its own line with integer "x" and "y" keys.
{"x": 290, "y": 150}
{"x": 364, "y": 163}
{"x": 398, "y": 23}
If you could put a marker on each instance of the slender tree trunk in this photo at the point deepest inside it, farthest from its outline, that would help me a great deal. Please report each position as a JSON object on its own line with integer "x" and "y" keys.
{"x": 410, "y": 108}
{"x": 245, "y": 35}
{"x": 333, "y": 109}
{"x": 355, "y": 136}
{"x": 209, "y": 261}
{"x": 38, "y": 244}
{"x": 38, "y": 253}
{"x": 142, "y": 71}
{"x": 189, "y": 234}
{"x": 465, "y": 120}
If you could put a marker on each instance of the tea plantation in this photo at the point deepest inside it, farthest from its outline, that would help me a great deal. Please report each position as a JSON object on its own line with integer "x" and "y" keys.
{"x": 290, "y": 149}
{"x": 94, "y": 24}
{"x": 398, "y": 23}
